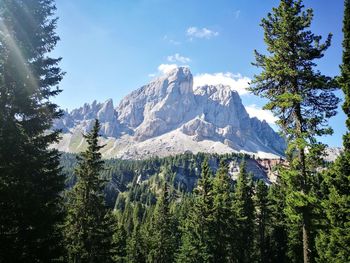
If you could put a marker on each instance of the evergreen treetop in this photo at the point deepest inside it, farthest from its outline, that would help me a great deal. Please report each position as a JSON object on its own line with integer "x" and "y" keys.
{"x": 300, "y": 96}
{"x": 89, "y": 224}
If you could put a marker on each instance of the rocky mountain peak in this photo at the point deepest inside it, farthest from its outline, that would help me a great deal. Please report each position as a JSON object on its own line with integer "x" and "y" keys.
{"x": 106, "y": 112}
{"x": 169, "y": 116}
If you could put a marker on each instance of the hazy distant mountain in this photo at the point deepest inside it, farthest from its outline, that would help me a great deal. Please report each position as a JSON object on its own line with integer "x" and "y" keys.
{"x": 170, "y": 116}
{"x": 332, "y": 153}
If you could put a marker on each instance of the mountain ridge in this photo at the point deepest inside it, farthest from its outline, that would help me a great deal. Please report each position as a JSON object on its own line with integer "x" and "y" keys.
{"x": 169, "y": 116}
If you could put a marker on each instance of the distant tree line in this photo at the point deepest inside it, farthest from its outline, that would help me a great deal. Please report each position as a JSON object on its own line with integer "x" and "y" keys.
{"x": 50, "y": 214}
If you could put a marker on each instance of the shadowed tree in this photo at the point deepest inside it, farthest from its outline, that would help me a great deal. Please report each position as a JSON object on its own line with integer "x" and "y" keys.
{"x": 223, "y": 220}
{"x": 30, "y": 180}
{"x": 262, "y": 220}
{"x": 197, "y": 237}
{"x": 162, "y": 234}
{"x": 243, "y": 211}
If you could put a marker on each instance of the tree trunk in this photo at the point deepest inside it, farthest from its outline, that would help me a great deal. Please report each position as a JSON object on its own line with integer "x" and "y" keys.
{"x": 306, "y": 240}
{"x": 305, "y": 215}
{"x": 304, "y": 188}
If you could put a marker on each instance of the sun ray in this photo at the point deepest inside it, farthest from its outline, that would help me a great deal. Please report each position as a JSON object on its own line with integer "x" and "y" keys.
{"x": 19, "y": 61}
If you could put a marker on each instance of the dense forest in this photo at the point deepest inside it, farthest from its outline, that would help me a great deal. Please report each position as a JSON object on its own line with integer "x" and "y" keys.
{"x": 183, "y": 171}
{"x": 58, "y": 207}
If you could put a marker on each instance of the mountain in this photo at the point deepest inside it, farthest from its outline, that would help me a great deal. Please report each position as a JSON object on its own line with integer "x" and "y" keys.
{"x": 169, "y": 116}
{"x": 332, "y": 153}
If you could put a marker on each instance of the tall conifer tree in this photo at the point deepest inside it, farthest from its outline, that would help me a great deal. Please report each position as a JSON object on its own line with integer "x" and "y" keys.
{"x": 278, "y": 235}
{"x": 162, "y": 232}
{"x": 197, "y": 237}
{"x": 299, "y": 96}
{"x": 119, "y": 244}
{"x": 30, "y": 180}
{"x": 223, "y": 226}
{"x": 88, "y": 226}
{"x": 333, "y": 242}
{"x": 262, "y": 220}
{"x": 243, "y": 211}
{"x": 134, "y": 247}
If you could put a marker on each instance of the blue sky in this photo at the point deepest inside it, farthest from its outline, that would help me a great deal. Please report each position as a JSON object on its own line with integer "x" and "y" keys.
{"x": 111, "y": 47}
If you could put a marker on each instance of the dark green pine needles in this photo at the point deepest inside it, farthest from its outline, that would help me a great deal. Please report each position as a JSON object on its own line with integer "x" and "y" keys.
{"x": 88, "y": 227}
{"x": 197, "y": 236}
{"x": 30, "y": 180}
{"x": 243, "y": 212}
{"x": 333, "y": 241}
{"x": 300, "y": 96}
{"x": 162, "y": 232}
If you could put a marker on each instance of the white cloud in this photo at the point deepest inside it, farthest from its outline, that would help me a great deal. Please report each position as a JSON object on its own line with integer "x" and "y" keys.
{"x": 165, "y": 68}
{"x": 237, "y": 82}
{"x": 178, "y": 58}
{"x": 201, "y": 32}
{"x": 237, "y": 13}
{"x": 261, "y": 114}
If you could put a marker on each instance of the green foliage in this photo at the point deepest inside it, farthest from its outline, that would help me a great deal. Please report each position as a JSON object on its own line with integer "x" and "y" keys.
{"x": 30, "y": 181}
{"x": 162, "y": 231}
{"x": 88, "y": 226}
{"x": 344, "y": 79}
{"x": 134, "y": 248}
{"x": 119, "y": 244}
{"x": 125, "y": 176}
{"x": 197, "y": 229}
{"x": 243, "y": 211}
{"x": 300, "y": 96}
{"x": 262, "y": 220}
{"x": 223, "y": 221}
{"x": 334, "y": 239}
{"x": 278, "y": 231}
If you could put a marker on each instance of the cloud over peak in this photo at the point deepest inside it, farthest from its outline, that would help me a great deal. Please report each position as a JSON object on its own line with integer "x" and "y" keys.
{"x": 255, "y": 111}
{"x": 165, "y": 68}
{"x": 237, "y": 82}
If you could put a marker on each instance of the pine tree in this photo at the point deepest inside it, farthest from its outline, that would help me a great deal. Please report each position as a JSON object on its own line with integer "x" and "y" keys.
{"x": 262, "y": 220}
{"x": 298, "y": 95}
{"x": 162, "y": 232}
{"x": 88, "y": 232}
{"x": 278, "y": 232}
{"x": 344, "y": 80}
{"x": 30, "y": 180}
{"x": 333, "y": 241}
{"x": 197, "y": 229}
{"x": 135, "y": 252}
{"x": 243, "y": 211}
{"x": 223, "y": 220}
{"x": 119, "y": 244}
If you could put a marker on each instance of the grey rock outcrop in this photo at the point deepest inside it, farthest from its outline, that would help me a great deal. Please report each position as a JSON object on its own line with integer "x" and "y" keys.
{"x": 172, "y": 115}
{"x": 83, "y": 118}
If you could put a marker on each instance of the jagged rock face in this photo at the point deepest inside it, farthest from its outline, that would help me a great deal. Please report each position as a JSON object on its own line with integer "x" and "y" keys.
{"x": 83, "y": 118}
{"x": 170, "y": 116}
{"x": 159, "y": 106}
